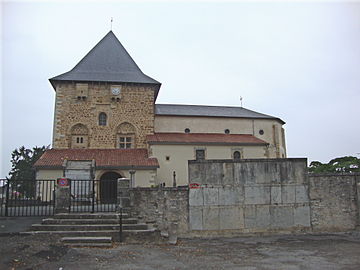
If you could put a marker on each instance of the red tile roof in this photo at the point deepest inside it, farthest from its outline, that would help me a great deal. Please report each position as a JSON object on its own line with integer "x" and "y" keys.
{"x": 114, "y": 158}
{"x": 204, "y": 138}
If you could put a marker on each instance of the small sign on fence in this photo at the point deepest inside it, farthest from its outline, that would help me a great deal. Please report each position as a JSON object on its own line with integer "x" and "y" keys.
{"x": 63, "y": 182}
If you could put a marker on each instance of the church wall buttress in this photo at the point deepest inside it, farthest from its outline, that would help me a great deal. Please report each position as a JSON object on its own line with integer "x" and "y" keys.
{"x": 134, "y": 105}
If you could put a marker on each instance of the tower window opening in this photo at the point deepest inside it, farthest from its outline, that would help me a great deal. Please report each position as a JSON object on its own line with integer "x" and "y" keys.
{"x": 102, "y": 119}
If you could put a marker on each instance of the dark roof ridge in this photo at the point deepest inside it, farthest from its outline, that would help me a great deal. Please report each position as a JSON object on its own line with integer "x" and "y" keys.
{"x": 247, "y": 112}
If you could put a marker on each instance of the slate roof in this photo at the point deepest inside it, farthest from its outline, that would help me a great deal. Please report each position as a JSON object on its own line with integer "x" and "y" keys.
{"x": 204, "y": 138}
{"x": 108, "y": 61}
{"x": 104, "y": 158}
{"x": 211, "y": 111}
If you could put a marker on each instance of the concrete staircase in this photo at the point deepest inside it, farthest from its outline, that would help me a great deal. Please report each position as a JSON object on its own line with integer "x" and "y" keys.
{"x": 93, "y": 230}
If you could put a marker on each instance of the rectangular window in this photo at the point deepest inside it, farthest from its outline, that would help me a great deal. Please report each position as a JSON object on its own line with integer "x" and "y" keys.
{"x": 125, "y": 142}
{"x": 200, "y": 154}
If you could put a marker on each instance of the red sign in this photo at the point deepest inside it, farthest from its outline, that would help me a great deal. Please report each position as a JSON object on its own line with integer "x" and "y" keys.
{"x": 62, "y": 182}
{"x": 194, "y": 185}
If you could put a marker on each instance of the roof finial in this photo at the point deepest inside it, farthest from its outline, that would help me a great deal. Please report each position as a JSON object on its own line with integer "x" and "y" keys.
{"x": 111, "y": 23}
{"x": 241, "y": 101}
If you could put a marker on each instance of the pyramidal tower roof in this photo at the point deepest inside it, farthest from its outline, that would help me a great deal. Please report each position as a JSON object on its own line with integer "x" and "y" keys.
{"x": 108, "y": 61}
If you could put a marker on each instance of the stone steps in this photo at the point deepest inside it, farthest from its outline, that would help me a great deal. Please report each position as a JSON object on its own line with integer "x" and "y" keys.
{"x": 90, "y": 216}
{"x": 87, "y": 227}
{"x": 94, "y": 229}
{"x": 78, "y": 221}
{"x": 85, "y": 241}
{"x": 109, "y": 233}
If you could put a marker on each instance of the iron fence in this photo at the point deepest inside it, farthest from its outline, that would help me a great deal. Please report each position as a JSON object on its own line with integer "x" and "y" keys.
{"x": 93, "y": 195}
{"x": 27, "y": 197}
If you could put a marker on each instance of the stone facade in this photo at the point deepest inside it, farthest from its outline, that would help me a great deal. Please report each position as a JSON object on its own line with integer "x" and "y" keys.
{"x": 165, "y": 208}
{"x": 335, "y": 201}
{"x": 77, "y": 115}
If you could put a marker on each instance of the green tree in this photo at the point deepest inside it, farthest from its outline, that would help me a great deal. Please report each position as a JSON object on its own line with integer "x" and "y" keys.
{"x": 22, "y": 174}
{"x": 337, "y": 165}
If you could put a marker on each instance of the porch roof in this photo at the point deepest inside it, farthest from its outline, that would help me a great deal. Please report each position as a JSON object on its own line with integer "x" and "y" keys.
{"x": 205, "y": 138}
{"x": 104, "y": 158}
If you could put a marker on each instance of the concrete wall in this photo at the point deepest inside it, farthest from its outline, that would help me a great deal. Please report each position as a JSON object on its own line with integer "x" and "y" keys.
{"x": 334, "y": 201}
{"x": 180, "y": 154}
{"x": 269, "y": 195}
{"x": 252, "y": 196}
{"x": 272, "y": 129}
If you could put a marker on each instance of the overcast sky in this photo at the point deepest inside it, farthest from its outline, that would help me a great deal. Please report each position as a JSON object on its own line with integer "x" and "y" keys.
{"x": 297, "y": 61}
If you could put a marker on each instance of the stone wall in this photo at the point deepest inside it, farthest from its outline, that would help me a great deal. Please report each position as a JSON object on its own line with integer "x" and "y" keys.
{"x": 135, "y": 106}
{"x": 334, "y": 201}
{"x": 249, "y": 196}
{"x": 165, "y": 208}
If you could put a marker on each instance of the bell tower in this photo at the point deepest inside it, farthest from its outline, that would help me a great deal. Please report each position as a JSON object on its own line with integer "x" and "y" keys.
{"x": 105, "y": 101}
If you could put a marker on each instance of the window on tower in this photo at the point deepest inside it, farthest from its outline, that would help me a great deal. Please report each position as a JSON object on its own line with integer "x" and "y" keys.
{"x": 102, "y": 119}
{"x": 125, "y": 142}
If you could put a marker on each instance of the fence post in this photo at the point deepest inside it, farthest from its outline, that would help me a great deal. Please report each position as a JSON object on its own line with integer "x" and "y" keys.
{"x": 120, "y": 225}
{"x": 93, "y": 196}
{"x": 62, "y": 197}
{"x": 7, "y": 199}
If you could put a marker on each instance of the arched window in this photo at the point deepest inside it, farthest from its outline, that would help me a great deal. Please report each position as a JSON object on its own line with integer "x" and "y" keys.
{"x": 102, "y": 119}
{"x": 237, "y": 155}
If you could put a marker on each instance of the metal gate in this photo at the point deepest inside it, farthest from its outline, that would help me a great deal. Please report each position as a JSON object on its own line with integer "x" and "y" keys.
{"x": 27, "y": 198}
{"x": 93, "y": 195}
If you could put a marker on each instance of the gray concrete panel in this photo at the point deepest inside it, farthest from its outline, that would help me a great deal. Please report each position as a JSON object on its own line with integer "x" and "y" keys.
{"x": 211, "y": 196}
{"x": 301, "y": 194}
{"x": 276, "y": 195}
{"x": 239, "y": 178}
{"x": 257, "y": 195}
{"x": 302, "y": 216}
{"x": 250, "y": 216}
{"x": 211, "y": 219}
{"x": 195, "y": 218}
{"x": 230, "y": 218}
{"x": 228, "y": 196}
{"x": 288, "y": 194}
{"x": 214, "y": 174}
{"x": 196, "y": 197}
{"x": 282, "y": 216}
{"x": 262, "y": 216}
{"x": 262, "y": 172}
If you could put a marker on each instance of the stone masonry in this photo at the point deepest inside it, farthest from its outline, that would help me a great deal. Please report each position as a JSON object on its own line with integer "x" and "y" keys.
{"x": 134, "y": 105}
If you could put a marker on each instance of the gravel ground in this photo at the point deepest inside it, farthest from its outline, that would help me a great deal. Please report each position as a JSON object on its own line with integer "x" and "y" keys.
{"x": 331, "y": 251}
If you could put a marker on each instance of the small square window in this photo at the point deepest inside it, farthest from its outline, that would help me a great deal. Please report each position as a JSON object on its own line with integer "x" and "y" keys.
{"x": 167, "y": 158}
{"x": 200, "y": 154}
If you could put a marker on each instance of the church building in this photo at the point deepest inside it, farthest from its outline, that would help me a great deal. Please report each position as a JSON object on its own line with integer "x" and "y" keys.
{"x": 106, "y": 113}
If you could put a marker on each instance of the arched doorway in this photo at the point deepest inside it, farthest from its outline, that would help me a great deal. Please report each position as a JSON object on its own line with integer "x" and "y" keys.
{"x": 108, "y": 187}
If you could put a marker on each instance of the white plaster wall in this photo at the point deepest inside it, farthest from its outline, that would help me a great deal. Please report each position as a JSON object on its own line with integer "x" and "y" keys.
{"x": 48, "y": 174}
{"x": 143, "y": 178}
{"x": 177, "y": 124}
{"x": 180, "y": 154}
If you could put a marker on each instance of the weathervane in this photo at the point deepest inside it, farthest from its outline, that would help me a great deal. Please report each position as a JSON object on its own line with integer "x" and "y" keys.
{"x": 111, "y": 23}
{"x": 241, "y": 101}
